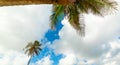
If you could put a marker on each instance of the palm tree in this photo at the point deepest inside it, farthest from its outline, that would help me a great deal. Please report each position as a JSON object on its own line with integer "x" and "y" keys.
{"x": 29, "y": 2}
{"x": 33, "y": 49}
{"x": 74, "y": 12}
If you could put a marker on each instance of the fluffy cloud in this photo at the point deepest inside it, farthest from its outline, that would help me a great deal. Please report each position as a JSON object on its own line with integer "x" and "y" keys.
{"x": 68, "y": 60}
{"x": 12, "y": 57}
{"x": 99, "y": 42}
{"x": 18, "y": 26}
{"x": 44, "y": 61}
{"x": 22, "y": 24}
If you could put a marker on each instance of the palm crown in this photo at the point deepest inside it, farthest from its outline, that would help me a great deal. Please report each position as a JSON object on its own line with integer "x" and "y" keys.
{"x": 33, "y": 49}
{"x": 75, "y": 10}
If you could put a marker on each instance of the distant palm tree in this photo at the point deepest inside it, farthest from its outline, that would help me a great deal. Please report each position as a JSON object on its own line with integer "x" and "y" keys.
{"x": 32, "y": 49}
{"x": 74, "y": 12}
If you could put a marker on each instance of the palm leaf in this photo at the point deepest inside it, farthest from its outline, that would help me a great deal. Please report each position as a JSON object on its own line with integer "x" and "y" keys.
{"x": 29, "y": 45}
{"x": 57, "y": 10}
{"x": 75, "y": 19}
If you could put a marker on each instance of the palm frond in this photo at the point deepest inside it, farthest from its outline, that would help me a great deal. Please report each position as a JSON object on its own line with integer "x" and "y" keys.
{"x": 73, "y": 16}
{"x": 97, "y": 7}
{"x": 39, "y": 48}
{"x": 57, "y": 10}
{"x": 29, "y": 45}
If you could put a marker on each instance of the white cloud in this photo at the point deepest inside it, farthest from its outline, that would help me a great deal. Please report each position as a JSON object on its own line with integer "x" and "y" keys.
{"x": 112, "y": 61}
{"x": 18, "y": 26}
{"x": 68, "y": 60}
{"x": 97, "y": 45}
{"x": 12, "y": 57}
{"x": 44, "y": 61}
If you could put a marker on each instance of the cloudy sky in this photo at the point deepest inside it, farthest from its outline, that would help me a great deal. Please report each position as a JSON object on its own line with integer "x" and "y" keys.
{"x": 22, "y": 24}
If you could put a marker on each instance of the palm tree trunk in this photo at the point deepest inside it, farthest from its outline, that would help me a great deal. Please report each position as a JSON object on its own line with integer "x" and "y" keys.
{"x": 29, "y": 60}
{"x": 30, "y": 2}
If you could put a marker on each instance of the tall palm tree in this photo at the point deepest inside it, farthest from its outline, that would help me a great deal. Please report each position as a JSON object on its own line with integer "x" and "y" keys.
{"x": 74, "y": 12}
{"x": 33, "y": 49}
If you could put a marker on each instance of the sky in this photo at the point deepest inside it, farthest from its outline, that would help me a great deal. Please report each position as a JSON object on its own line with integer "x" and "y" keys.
{"x": 63, "y": 46}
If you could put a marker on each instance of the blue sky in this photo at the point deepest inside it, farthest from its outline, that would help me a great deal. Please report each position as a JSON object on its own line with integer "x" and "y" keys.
{"x": 63, "y": 46}
{"x": 51, "y": 36}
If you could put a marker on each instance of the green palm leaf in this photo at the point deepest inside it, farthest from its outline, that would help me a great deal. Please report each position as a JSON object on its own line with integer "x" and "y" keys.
{"x": 57, "y": 10}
